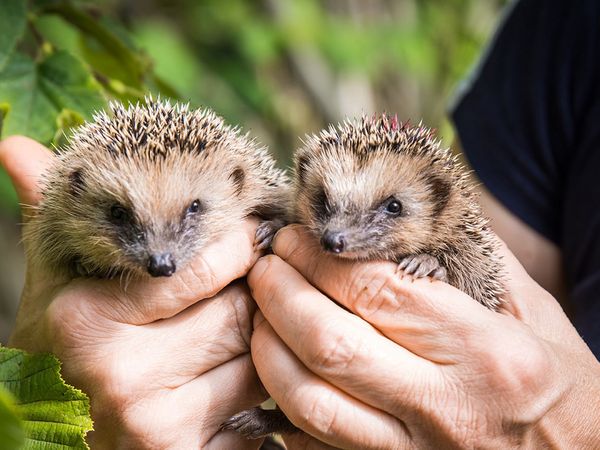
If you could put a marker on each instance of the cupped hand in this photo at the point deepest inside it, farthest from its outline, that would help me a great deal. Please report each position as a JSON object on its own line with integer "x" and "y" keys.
{"x": 400, "y": 363}
{"x": 165, "y": 361}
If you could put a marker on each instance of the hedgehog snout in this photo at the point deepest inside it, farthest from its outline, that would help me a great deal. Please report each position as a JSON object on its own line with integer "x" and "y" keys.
{"x": 333, "y": 241}
{"x": 161, "y": 265}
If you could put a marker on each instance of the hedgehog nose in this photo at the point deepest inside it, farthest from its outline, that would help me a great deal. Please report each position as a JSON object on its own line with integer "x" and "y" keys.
{"x": 333, "y": 241}
{"x": 161, "y": 265}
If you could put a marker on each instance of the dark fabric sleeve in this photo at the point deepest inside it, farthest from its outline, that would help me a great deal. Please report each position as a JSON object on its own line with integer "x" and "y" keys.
{"x": 529, "y": 124}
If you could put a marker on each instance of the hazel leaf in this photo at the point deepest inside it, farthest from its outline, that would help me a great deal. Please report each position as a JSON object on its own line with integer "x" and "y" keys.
{"x": 38, "y": 92}
{"x": 54, "y": 415}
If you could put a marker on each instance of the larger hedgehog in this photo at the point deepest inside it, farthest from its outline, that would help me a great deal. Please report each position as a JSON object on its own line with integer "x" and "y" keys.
{"x": 377, "y": 189}
{"x": 139, "y": 190}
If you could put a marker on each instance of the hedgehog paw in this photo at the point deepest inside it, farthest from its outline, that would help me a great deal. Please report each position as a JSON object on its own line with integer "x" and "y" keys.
{"x": 266, "y": 232}
{"x": 423, "y": 265}
{"x": 257, "y": 422}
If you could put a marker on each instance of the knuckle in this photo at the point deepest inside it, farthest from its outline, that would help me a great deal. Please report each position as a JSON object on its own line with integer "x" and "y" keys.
{"x": 317, "y": 414}
{"x": 335, "y": 350}
{"x": 372, "y": 292}
{"x": 517, "y": 367}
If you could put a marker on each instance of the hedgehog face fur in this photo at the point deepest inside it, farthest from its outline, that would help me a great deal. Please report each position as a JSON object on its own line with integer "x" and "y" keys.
{"x": 142, "y": 190}
{"x": 368, "y": 189}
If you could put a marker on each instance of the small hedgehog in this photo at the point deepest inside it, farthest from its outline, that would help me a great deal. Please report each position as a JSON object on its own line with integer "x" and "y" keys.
{"x": 138, "y": 191}
{"x": 375, "y": 189}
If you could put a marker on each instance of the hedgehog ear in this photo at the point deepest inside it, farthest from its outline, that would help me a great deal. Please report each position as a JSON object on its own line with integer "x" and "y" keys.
{"x": 238, "y": 177}
{"x": 441, "y": 189}
{"x": 76, "y": 182}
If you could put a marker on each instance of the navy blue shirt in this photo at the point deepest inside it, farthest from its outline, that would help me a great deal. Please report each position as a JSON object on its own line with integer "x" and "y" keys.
{"x": 529, "y": 124}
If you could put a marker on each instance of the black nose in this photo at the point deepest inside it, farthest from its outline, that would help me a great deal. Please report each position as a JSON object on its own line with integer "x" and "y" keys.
{"x": 161, "y": 265}
{"x": 333, "y": 241}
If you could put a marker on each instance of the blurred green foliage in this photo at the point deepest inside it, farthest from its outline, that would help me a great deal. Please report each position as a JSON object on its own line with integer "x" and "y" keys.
{"x": 280, "y": 68}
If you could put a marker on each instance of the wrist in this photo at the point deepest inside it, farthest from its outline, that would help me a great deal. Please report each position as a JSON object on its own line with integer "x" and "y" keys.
{"x": 573, "y": 420}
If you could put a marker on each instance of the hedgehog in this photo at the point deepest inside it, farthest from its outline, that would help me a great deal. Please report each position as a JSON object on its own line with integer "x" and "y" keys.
{"x": 139, "y": 190}
{"x": 377, "y": 189}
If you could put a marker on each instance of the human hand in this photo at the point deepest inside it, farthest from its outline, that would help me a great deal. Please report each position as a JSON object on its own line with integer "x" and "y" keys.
{"x": 416, "y": 363}
{"x": 162, "y": 368}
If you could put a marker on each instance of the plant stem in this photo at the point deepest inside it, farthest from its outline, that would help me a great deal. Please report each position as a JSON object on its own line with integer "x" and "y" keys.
{"x": 135, "y": 63}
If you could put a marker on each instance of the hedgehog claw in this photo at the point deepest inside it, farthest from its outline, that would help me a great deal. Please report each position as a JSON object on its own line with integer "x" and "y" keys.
{"x": 256, "y": 422}
{"x": 266, "y": 232}
{"x": 423, "y": 265}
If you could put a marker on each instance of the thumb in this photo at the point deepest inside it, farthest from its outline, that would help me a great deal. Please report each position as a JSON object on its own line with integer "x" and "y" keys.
{"x": 25, "y": 160}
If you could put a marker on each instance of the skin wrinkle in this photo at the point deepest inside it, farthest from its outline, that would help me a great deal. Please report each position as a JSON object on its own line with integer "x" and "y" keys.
{"x": 288, "y": 395}
{"x": 325, "y": 423}
{"x": 337, "y": 350}
{"x": 397, "y": 404}
{"x": 112, "y": 305}
{"x": 203, "y": 274}
{"x": 328, "y": 427}
{"x": 243, "y": 311}
{"x": 374, "y": 303}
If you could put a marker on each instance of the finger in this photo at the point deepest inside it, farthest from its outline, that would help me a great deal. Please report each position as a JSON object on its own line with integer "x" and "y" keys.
{"x": 146, "y": 300}
{"x": 316, "y": 406}
{"x": 198, "y": 339}
{"x": 419, "y": 314}
{"x": 219, "y": 394}
{"x": 206, "y": 334}
{"x": 230, "y": 439}
{"x": 303, "y": 441}
{"x": 25, "y": 160}
{"x": 333, "y": 343}
{"x": 188, "y": 416}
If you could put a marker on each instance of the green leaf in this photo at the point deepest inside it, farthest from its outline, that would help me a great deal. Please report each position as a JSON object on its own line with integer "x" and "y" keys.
{"x": 11, "y": 427}
{"x": 55, "y": 415}
{"x": 12, "y": 23}
{"x": 37, "y": 92}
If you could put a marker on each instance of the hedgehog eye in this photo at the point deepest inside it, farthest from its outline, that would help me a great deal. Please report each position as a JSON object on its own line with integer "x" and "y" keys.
{"x": 119, "y": 214}
{"x": 194, "y": 207}
{"x": 393, "y": 206}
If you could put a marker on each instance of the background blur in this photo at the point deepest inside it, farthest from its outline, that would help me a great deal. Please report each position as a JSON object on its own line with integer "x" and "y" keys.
{"x": 280, "y": 68}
